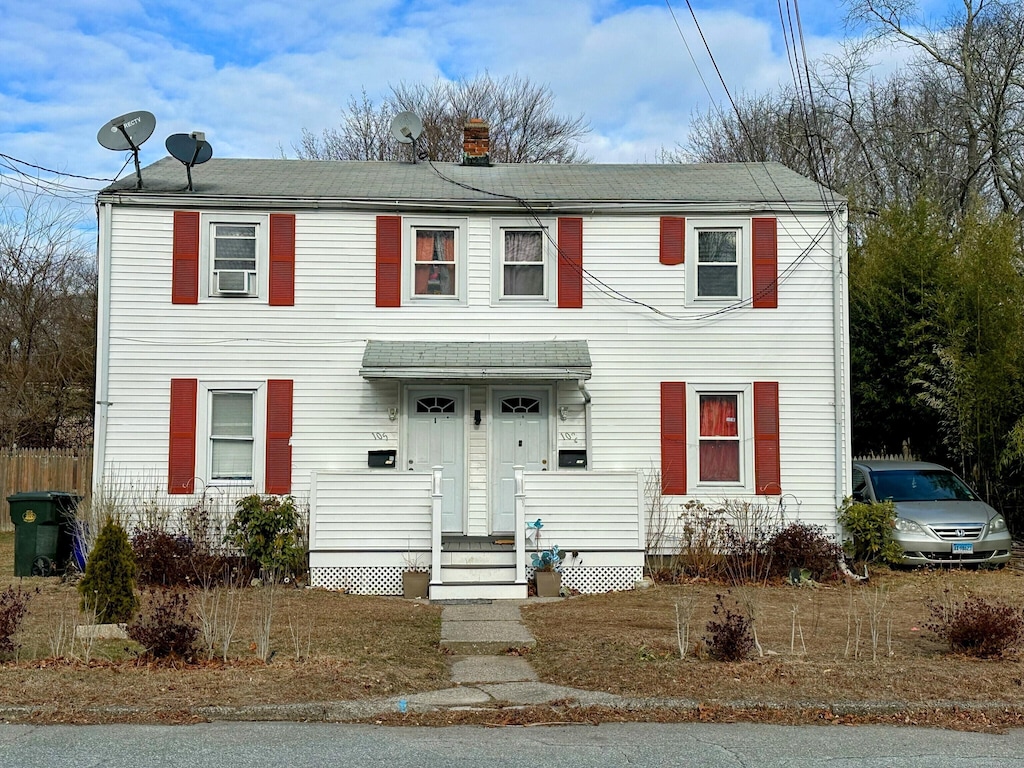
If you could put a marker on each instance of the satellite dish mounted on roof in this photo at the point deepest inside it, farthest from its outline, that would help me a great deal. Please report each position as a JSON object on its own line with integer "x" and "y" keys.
{"x": 128, "y": 131}
{"x": 406, "y": 128}
{"x": 191, "y": 149}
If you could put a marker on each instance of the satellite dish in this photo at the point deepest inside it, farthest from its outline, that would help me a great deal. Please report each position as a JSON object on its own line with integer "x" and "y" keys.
{"x": 191, "y": 149}
{"x": 128, "y": 131}
{"x": 406, "y": 128}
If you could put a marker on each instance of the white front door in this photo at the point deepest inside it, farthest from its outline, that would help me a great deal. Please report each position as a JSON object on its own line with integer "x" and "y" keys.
{"x": 437, "y": 438}
{"x": 521, "y": 438}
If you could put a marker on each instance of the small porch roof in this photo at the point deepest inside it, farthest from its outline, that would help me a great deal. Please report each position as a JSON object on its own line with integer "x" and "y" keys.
{"x": 476, "y": 360}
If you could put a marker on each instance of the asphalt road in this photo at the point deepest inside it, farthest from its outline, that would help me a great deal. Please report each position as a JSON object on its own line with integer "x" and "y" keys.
{"x": 296, "y": 745}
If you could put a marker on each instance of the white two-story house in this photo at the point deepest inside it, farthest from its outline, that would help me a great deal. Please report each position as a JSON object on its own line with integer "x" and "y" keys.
{"x": 434, "y": 355}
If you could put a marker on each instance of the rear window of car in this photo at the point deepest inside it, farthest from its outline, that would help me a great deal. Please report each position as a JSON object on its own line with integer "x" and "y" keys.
{"x": 920, "y": 485}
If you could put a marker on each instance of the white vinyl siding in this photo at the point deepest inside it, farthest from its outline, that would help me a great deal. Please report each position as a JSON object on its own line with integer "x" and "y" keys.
{"x": 339, "y": 416}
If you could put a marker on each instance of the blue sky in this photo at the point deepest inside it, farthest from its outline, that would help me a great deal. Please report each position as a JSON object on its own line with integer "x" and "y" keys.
{"x": 253, "y": 75}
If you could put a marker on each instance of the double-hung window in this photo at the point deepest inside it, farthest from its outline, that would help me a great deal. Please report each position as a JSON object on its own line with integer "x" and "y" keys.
{"x": 718, "y": 263}
{"x": 236, "y": 254}
{"x": 232, "y": 435}
{"x": 522, "y": 261}
{"x": 719, "y": 438}
{"x": 436, "y": 259}
{"x": 719, "y": 268}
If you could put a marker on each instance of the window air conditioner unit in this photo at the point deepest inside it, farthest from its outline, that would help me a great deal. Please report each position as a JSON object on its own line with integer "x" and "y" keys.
{"x": 232, "y": 281}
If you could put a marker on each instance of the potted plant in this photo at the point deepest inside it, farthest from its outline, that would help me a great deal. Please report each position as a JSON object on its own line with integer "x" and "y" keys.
{"x": 547, "y": 570}
{"x": 415, "y": 578}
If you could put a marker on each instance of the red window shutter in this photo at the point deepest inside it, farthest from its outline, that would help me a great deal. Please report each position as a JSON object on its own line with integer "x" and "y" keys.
{"x": 279, "y": 436}
{"x": 673, "y": 243}
{"x": 673, "y": 437}
{"x": 282, "y": 259}
{"x": 570, "y": 263}
{"x": 389, "y": 261}
{"x": 185, "y": 258}
{"x": 181, "y": 467}
{"x": 766, "y": 263}
{"x": 767, "y": 463}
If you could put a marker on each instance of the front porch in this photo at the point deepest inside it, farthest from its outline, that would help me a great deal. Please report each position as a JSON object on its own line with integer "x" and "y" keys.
{"x": 366, "y": 528}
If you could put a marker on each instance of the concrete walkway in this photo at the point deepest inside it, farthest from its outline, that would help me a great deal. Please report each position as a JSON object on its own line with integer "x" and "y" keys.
{"x": 479, "y": 635}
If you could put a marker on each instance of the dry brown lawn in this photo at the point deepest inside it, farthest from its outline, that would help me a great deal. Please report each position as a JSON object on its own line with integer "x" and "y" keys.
{"x": 818, "y": 643}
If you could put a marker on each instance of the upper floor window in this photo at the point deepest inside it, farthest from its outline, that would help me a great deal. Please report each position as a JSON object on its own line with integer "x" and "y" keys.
{"x": 718, "y": 267}
{"x": 236, "y": 247}
{"x": 717, "y": 263}
{"x": 522, "y": 271}
{"x": 522, "y": 260}
{"x": 436, "y": 259}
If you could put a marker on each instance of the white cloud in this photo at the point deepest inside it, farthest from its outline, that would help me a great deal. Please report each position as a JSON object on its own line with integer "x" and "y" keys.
{"x": 252, "y": 76}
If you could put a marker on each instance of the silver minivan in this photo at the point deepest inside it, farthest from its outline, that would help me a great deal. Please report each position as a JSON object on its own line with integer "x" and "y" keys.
{"x": 939, "y": 519}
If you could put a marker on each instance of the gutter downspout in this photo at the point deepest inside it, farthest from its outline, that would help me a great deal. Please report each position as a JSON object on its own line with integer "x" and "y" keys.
{"x": 840, "y": 342}
{"x": 102, "y": 345}
{"x": 587, "y": 427}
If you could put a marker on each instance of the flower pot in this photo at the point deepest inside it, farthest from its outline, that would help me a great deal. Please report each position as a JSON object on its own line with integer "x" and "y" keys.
{"x": 415, "y": 584}
{"x": 549, "y": 583}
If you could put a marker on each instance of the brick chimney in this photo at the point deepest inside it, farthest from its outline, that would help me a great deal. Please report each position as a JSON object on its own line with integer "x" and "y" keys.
{"x": 476, "y": 144}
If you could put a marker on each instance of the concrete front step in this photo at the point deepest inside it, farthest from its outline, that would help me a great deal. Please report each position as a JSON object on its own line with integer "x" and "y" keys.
{"x": 478, "y": 590}
{"x": 496, "y": 557}
{"x": 477, "y": 573}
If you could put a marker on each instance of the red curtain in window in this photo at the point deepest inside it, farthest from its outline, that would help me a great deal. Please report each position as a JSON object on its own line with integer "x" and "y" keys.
{"x": 719, "y": 459}
{"x": 437, "y": 246}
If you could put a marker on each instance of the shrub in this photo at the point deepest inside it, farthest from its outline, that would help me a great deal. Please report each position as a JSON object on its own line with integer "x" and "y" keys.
{"x": 108, "y": 587}
{"x": 266, "y": 530}
{"x": 976, "y": 626}
{"x": 163, "y": 559}
{"x": 700, "y": 541}
{"x": 165, "y": 626}
{"x": 728, "y": 638}
{"x": 871, "y": 527}
{"x": 13, "y": 605}
{"x": 804, "y": 547}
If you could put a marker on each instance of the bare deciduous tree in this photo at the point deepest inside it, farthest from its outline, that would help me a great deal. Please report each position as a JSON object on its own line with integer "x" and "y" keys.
{"x": 47, "y": 325}
{"x": 524, "y": 125}
{"x": 948, "y": 125}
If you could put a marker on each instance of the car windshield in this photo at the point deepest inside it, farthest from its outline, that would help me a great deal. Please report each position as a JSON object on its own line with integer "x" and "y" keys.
{"x": 919, "y": 485}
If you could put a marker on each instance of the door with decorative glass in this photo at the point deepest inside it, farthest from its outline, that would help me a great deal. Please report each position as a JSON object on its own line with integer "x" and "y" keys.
{"x": 521, "y": 437}
{"x": 437, "y": 438}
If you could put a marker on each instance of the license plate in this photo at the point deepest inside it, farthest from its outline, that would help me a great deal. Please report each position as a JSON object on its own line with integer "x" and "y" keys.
{"x": 963, "y": 548}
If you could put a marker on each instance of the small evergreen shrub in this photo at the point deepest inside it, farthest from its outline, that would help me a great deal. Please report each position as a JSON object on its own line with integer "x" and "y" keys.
{"x": 13, "y": 606}
{"x": 163, "y": 559}
{"x": 165, "y": 626}
{"x": 266, "y": 531}
{"x": 729, "y": 637}
{"x": 108, "y": 586}
{"x": 871, "y": 527}
{"x": 804, "y": 547}
{"x": 976, "y": 626}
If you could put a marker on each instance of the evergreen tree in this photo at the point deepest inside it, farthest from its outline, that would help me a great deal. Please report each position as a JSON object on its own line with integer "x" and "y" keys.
{"x": 108, "y": 587}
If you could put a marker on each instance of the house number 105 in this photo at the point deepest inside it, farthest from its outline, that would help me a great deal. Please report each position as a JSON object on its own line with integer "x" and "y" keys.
{"x": 380, "y": 435}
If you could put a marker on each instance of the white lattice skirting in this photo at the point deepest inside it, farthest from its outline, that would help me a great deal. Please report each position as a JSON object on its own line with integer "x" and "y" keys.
{"x": 387, "y": 580}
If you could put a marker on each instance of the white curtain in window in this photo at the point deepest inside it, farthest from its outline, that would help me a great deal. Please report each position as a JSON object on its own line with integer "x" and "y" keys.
{"x": 231, "y": 435}
{"x": 524, "y": 263}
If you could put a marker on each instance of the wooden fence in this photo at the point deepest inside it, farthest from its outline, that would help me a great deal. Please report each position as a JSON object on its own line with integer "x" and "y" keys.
{"x": 41, "y": 470}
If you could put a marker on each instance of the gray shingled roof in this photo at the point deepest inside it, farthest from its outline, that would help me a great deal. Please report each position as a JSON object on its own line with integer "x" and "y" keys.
{"x": 336, "y": 183}
{"x": 471, "y": 360}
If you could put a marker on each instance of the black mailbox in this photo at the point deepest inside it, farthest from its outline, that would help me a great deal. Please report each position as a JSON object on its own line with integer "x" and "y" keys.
{"x": 574, "y": 459}
{"x": 380, "y": 459}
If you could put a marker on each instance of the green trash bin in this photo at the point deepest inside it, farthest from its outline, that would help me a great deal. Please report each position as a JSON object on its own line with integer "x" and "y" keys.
{"x": 43, "y": 531}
